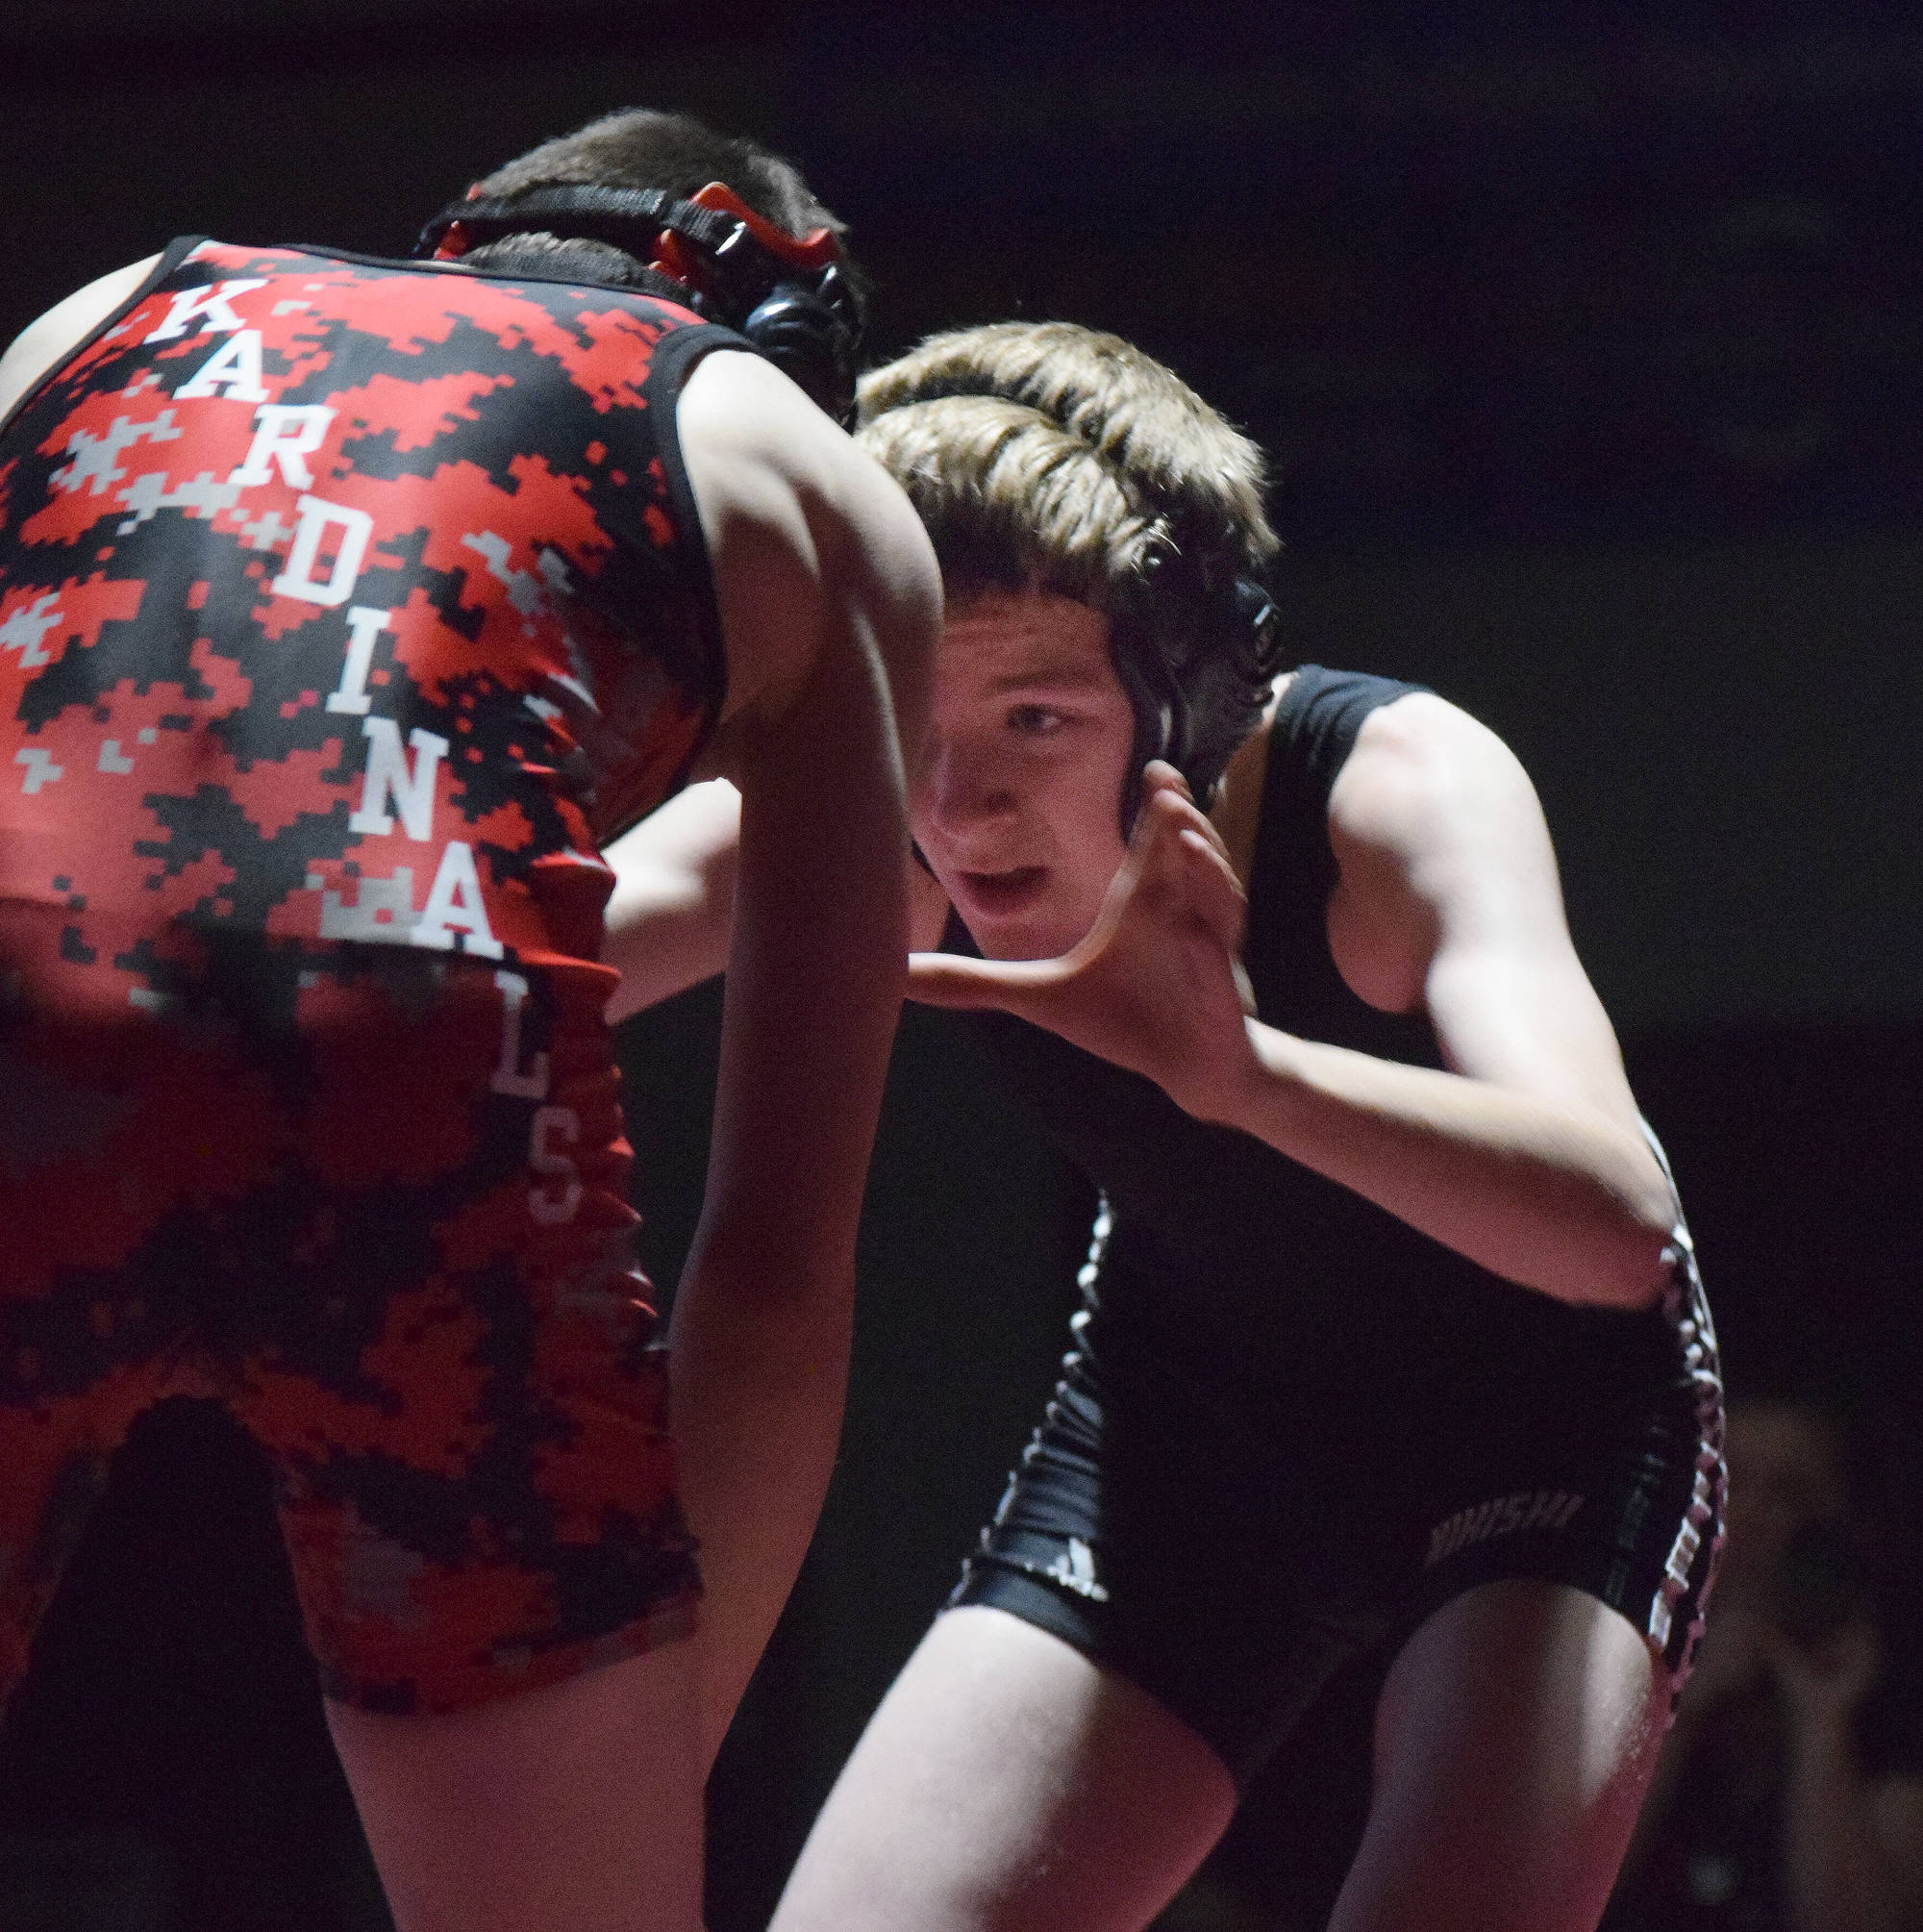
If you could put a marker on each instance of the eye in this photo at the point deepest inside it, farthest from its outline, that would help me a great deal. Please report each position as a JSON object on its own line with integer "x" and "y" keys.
{"x": 1034, "y": 720}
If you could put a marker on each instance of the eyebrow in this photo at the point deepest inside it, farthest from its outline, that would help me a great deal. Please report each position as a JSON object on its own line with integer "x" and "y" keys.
{"x": 1047, "y": 680}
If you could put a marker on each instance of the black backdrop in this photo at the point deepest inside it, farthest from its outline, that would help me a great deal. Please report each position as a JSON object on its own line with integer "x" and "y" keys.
{"x": 1589, "y": 349}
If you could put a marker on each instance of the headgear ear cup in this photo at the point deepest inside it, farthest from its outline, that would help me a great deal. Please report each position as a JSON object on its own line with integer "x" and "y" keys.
{"x": 1256, "y": 615}
{"x": 1198, "y": 683}
{"x": 807, "y": 324}
{"x": 811, "y": 339}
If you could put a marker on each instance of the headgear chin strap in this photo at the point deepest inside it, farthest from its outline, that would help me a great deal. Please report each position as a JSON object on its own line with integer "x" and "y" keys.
{"x": 788, "y": 295}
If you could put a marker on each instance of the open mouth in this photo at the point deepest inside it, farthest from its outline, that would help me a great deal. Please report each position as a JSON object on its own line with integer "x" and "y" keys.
{"x": 997, "y": 894}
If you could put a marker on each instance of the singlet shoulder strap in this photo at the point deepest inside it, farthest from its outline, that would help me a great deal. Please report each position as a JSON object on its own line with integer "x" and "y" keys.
{"x": 166, "y": 263}
{"x": 1293, "y": 871}
{"x": 1309, "y": 741}
{"x": 1316, "y": 723}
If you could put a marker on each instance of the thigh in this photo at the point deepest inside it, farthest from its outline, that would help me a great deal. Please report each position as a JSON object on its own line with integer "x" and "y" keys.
{"x": 1513, "y": 1739}
{"x": 1151, "y": 1534}
{"x": 1008, "y": 1784}
{"x": 575, "y": 1806}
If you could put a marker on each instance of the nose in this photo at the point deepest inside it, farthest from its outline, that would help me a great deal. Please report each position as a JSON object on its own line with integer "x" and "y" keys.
{"x": 961, "y": 790}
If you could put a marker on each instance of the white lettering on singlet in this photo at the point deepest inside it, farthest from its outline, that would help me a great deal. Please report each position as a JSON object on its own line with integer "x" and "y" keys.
{"x": 455, "y": 905}
{"x": 389, "y": 776}
{"x": 363, "y": 625}
{"x": 1500, "y": 1516}
{"x": 235, "y": 366}
{"x": 551, "y": 1124}
{"x": 316, "y": 518}
{"x": 208, "y": 305}
{"x": 285, "y": 435}
{"x": 510, "y": 1077}
{"x": 384, "y": 914}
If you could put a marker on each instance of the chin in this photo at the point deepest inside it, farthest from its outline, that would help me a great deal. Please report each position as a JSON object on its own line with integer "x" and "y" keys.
{"x": 1029, "y": 938}
{"x": 1009, "y": 947}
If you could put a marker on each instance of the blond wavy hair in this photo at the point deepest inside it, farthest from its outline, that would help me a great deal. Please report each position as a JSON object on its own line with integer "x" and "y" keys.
{"x": 1047, "y": 456}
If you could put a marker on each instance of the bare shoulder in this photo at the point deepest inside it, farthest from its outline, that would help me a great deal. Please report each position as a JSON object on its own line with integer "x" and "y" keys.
{"x": 50, "y": 339}
{"x": 754, "y": 446}
{"x": 1424, "y": 774}
{"x": 791, "y": 511}
{"x": 1438, "y": 841}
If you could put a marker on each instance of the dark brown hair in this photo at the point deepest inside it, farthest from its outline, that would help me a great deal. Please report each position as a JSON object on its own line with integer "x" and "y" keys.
{"x": 647, "y": 147}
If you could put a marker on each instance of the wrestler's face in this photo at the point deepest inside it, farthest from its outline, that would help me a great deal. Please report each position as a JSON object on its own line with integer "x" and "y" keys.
{"x": 1017, "y": 802}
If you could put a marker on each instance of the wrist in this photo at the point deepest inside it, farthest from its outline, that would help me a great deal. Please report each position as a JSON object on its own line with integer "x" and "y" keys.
{"x": 1242, "y": 1086}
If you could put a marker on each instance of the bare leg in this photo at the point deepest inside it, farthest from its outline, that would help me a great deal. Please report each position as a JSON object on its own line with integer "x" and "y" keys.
{"x": 575, "y": 1808}
{"x": 1007, "y": 1783}
{"x": 1513, "y": 1740}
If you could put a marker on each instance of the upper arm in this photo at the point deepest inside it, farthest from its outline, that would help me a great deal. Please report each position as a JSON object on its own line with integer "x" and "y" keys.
{"x": 812, "y": 547}
{"x": 1448, "y": 898}
{"x": 50, "y": 339}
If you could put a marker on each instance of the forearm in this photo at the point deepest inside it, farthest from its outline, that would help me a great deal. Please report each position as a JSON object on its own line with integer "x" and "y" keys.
{"x": 1560, "y": 1199}
{"x": 674, "y": 947}
{"x": 670, "y": 919}
{"x": 1835, "y": 1872}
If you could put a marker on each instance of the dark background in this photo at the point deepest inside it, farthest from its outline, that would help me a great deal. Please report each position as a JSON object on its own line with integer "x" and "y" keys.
{"x": 1589, "y": 344}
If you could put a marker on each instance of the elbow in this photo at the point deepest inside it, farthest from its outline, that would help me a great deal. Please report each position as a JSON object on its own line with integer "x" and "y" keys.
{"x": 1615, "y": 1235}
{"x": 1639, "y": 1249}
{"x": 1645, "y": 1267}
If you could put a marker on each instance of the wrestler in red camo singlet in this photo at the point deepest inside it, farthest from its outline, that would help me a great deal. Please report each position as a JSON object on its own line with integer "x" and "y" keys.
{"x": 346, "y": 608}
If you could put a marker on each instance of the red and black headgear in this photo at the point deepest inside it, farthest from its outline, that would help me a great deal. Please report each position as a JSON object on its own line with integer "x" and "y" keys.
{"x": 791, "y": 296}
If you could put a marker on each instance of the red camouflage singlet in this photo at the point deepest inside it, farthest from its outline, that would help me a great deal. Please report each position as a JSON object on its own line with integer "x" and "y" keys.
{"x": 346, "y": 607}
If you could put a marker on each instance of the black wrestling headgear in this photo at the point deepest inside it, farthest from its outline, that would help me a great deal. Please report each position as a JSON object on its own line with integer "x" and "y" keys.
{"x": 789, "y": 295}
{"x": 1197, "y": 659}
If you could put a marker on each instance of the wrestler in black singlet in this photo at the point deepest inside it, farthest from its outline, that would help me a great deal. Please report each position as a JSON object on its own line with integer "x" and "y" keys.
{"x": 1291, "y": 1426}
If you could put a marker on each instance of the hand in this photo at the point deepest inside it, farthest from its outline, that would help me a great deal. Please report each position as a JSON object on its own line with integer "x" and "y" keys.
{"x": 1155, "y": 984}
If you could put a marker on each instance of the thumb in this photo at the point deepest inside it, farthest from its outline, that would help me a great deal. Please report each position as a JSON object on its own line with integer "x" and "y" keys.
{"x": 953, "y": 980}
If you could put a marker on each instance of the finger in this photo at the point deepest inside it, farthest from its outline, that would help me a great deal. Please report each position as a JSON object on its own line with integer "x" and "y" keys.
{"x": 1164, "y": 784}
{"x": 1171, "y": 806}
{"x": 1164, "y": 823}
{"x": 1196, "y": 819}
{"x": 1204, "y": 852}
{"x": 1163, "y": 781}
{"x": 1214, "y": 893}
{"x": 1156, "y": 857}
{"x": 953, "y": 980}
{"x": 1158, "y": 775}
